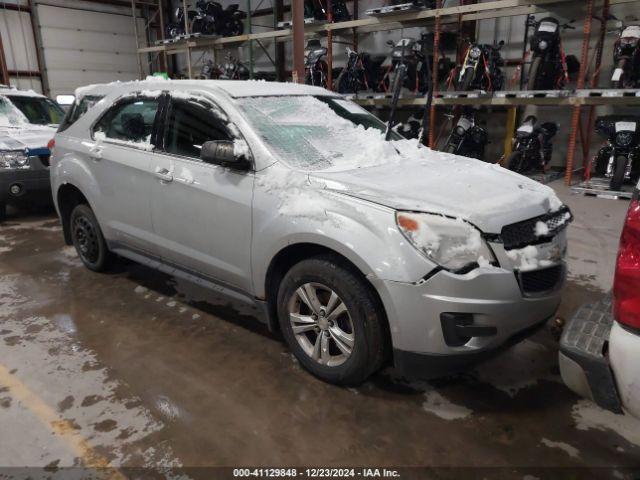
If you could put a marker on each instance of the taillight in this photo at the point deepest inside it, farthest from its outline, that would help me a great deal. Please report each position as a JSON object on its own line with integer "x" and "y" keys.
{"x": 626, "y": 284}
{"x": 51, "y": 144}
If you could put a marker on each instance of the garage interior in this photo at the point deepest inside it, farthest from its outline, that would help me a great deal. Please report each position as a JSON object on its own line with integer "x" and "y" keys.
{"x": 136, "y": 373}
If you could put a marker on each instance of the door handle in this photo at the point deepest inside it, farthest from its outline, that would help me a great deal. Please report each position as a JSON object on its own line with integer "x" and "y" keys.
{"x": 164, "y": 175}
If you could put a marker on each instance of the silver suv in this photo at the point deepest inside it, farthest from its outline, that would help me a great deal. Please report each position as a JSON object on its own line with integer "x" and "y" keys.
{"x": 361, "y": 251}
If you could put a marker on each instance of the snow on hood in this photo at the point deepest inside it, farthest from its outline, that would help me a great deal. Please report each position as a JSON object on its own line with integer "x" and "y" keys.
{"x": 27, "y": 136}
{"x": 486, "y": 195}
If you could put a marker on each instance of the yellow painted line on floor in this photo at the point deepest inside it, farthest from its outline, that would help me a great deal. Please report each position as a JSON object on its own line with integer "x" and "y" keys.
{"x": 61, "y": 427}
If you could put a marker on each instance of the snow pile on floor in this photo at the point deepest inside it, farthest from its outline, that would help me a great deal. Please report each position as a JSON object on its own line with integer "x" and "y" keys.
{"x": 573, "y": 452}
{"x": 588, "y": 415}
{"x": 440, "y": 406}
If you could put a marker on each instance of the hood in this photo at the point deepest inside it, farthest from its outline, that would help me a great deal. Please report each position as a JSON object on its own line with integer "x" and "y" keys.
{"x": 484, "y": 194}
{"x": 25, "y": 137}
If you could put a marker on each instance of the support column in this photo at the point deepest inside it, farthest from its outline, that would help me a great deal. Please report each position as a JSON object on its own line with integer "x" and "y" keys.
{"x": 575, "y": 116}
{"x": 297, "y": 17}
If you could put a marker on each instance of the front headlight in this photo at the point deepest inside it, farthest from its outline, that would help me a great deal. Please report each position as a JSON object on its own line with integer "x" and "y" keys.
{"x": 14, "y": 160}
{"x": 624, "y": 139}
{"x": 543, "y": 45}
{"x": 451, "y": 243}
{"x": 475, "y": 52}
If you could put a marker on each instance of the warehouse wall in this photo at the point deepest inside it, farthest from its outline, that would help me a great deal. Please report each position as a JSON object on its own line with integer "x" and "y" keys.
{"x": 83, "y": 42}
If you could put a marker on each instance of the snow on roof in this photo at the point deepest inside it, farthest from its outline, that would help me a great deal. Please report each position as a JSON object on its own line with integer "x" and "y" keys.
{"x": 233, "y": 88}
{"x": 5, "y": 90}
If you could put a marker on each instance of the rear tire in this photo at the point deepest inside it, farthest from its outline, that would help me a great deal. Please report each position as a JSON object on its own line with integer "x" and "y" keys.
{"x": 618, "y": 173}
{"x": 316, "y": 343}
{"x": 532, "y": 81}
{"x": 88, "y": 240}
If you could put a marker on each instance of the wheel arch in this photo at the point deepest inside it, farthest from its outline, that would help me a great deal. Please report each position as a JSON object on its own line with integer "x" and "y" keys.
{"x": 68, "y": 197}
{"x": 292, "y": 254}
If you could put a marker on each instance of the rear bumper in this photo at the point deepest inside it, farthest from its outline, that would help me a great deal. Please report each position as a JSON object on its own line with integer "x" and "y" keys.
{"x": 32, "y": 183}
{"x": 584, "y": 366}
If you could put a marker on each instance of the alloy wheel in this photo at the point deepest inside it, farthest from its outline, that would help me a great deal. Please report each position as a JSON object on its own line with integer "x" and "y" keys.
{"x": 321, "y": 324}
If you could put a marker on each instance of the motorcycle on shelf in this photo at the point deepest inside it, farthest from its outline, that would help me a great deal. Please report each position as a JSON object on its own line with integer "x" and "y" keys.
{"x": 177, "y": 28}
{"x": 532, "y": 146}
{"x": 315, "y": 64}
{"x": 360, "y": 73}
{"x": 209, "y": 18}
{"x": 480, "y": 69}
{"x": 214, "y": 19}
{"x": 467, "y": 138}
{"x": 550, "y": 67}
{"x": 626, "y": 57}
{"x": 619, "y": 158}
{"x": 317, "y": 10}
{"x": 210, "y": 71}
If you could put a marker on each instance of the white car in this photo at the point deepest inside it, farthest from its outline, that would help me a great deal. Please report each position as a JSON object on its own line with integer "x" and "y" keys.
{"x": 600, "y": 347}
{"x": 28, "y": 121}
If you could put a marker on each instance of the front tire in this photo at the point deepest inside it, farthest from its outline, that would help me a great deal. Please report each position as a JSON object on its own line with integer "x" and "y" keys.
{"x": 88, "y": 240}
{"x": 515, "y": 162}
{"x": 620, "y": 83}
{"x": 467, "y": 79}
{"x": 532, "y": 81}
{"x": 331, "y": 321}
{"x": 618, "y": 173}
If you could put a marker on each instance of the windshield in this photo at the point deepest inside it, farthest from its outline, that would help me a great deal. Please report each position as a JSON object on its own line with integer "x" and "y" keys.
{"x": 38, "y": 110}
{"x": 10, "y": 116}
{"x": 319, "y": 132}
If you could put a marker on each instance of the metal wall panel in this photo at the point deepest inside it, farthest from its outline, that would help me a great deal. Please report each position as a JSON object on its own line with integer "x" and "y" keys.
{"x": 82, "y": 47}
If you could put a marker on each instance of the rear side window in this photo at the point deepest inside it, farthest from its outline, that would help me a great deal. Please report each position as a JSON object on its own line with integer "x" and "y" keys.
{"x": 190, "y": 124}
{"x": 78, "y": 109}
{"x": 129, "y": 121}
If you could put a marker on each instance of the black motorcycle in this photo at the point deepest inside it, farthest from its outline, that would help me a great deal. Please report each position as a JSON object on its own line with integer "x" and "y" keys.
{"x": 410, "y": 53}
{"x": 467, "y": 138}
{"x": 626, "y": 58}
{"x": 480, "y": 69}
{"x": 550, "y": 68}
{"x": 532, "y": 146}
{"x": 316, "y": 9}
{"x": 315, "y": 64}
{"x": 210, "y": 18}
{"x": 360, "y": 73}
{"x": 177, "y": 28}
{"x": 215, "y": 19}
{"x": 619, "y": 158}
{"x": 233, "y": 69}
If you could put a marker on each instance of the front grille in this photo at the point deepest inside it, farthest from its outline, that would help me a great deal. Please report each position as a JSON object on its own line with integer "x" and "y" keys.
{"x": 540, "y": 281}
{"x": 521, "y": 234}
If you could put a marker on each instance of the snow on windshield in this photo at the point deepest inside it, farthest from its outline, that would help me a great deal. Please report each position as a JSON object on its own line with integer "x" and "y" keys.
{"x": 10, "y": 116}
{"x": 307, "y": 133}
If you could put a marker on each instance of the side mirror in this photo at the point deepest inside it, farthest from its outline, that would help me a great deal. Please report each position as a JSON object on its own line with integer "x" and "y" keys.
{"x": 222, "y": 152}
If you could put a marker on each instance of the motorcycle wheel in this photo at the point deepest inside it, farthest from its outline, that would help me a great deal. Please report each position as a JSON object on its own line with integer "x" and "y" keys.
{"x": 467, "y": 79}
{"x": 515, "y": 162}
{"x": 532, "y": 81}
{"x": 341, "y": 85}
{"x": 621, "y": 82}
{"x": 197, "y": 26}
{"x": 618, "y": 173}
{"x": 237, "y": 28}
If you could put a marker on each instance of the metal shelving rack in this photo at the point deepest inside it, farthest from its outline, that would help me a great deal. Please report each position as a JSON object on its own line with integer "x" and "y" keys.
{"x": 435, "y": 19}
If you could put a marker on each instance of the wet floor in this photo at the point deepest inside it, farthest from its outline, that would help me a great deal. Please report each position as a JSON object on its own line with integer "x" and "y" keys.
{"x": 134, "y": 368}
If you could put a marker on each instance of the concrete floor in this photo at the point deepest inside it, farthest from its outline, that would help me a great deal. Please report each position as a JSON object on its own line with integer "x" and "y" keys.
{"x": 135, "y": 368}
